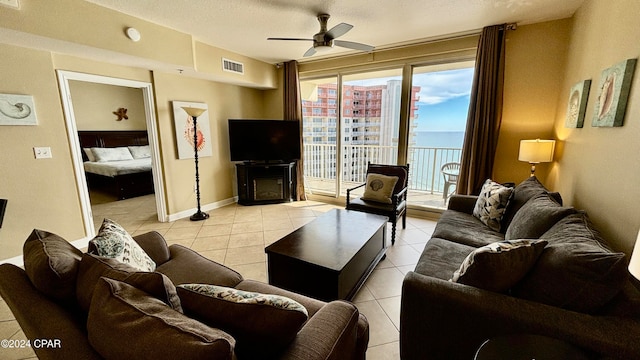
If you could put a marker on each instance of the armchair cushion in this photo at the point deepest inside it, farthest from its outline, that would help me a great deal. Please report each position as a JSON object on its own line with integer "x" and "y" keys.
{"x": 492, "y": 203}
{"x": 113, "y": 241}
{"x": 119, "y": 312}
{"x": 51, "y": 263}
{"x": 379, "y": 188}
{"x": 261, "y": 323}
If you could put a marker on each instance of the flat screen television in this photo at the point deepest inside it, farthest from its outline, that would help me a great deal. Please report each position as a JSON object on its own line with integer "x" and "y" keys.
{"x": 264, "y": 140}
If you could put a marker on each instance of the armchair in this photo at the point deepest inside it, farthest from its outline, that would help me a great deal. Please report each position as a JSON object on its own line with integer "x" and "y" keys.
{"x": 398, "y": 205}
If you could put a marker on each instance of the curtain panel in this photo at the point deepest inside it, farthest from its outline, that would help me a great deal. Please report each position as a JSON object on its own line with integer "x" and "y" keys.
{"x": 485, "y": 112}
{"x": 293, "y": 112}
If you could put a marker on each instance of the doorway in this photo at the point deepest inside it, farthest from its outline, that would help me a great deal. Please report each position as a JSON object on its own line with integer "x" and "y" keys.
{"x": 64, "y": 78}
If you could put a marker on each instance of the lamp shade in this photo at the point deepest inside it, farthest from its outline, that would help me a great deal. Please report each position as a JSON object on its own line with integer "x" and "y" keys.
{"x": 634, "y": 262}
{"x": 536, "y": 151}
{"x": 194, "y": 112}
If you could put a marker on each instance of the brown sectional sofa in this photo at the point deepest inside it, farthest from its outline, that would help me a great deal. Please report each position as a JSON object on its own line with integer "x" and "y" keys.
{"x": 100, "y": 308}
{"x": 577, "y": 291}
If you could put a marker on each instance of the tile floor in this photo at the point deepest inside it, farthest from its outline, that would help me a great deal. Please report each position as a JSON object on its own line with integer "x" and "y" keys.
{"x": 236, "y": 236}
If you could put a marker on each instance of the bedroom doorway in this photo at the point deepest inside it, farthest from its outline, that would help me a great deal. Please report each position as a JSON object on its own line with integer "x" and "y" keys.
{"x": 64, "y": 79}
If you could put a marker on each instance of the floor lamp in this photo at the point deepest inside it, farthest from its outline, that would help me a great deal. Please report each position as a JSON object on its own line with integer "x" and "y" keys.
{"x": 536, "y": 151}
{"x": 194, "y": 113}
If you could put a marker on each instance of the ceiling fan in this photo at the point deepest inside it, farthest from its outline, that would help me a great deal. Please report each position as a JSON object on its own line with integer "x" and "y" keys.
{"x": 326, "y": 39}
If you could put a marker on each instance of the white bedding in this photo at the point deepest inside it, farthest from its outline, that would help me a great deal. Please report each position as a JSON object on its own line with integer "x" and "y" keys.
{"x": 113, "y": 168}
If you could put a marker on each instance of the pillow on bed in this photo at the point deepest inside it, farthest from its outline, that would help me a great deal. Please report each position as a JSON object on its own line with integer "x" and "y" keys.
{"x": 89, "y": 154}
{"x": 140, "y": 152}
{"x": 111, "y": 154}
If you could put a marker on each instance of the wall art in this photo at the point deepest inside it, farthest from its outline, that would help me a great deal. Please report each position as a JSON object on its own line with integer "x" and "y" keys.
{"x": 184, "y": 130}
{"x": 17, "y": 110}
{"x": 577, "y": 106}
{"x": 613, "y": 93}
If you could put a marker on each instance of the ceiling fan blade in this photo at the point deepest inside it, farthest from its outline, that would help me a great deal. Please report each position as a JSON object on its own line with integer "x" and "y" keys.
{"x": 295, "y": 39}
{"x": 337, "y": 31}
{"x": 310, "y": 52}
{"x": 353, "y": 45}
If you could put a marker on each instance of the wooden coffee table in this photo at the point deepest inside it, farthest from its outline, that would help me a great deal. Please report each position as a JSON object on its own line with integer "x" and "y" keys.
{"x": 330, "y": 257}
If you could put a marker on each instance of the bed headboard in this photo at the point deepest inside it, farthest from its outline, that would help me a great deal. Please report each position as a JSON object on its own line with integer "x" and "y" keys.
{"x": 89, "y": 139}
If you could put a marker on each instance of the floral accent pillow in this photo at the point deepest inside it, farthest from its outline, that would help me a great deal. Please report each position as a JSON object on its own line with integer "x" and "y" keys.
{"x": 113, "y": 241}
{"x": 262, "y": 324}
{"x": 492, "y": 204}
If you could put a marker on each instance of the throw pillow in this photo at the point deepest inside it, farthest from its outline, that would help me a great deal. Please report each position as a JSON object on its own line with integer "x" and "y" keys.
{"x": 140, "y": 152}
{"x": 261, "y": 324}
{"x": 111, "y": 154}
{"x": 379, "y": 188}
{"x": 120, "y": 313}
{"x": 521, "y": 194}
{"x": 89, "y": 154}
{"x": 93, "y": 267}
{"x": 113, "y": 241}
{"x": 492, "y": 203}
{"x": 51, "y": 263}
{"x": 577, "y": 270}
{"x": 499, "y": 266}
{"x": 537, "y": 216}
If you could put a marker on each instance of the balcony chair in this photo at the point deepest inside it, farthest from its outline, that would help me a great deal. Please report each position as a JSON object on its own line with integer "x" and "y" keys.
{"x": 450, "y": 172}
{"x": 393, "y": 206}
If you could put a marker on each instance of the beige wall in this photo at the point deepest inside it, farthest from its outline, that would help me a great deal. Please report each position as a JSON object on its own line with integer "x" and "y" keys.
{"x": 42, "y": 193}
{"x": 94, "y": 104}
{"x": 535, "y": 62}
{"x": 598, "y": 168}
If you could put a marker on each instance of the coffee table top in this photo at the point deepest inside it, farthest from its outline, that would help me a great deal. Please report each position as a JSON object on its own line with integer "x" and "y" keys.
{"x": 331, "y": 240}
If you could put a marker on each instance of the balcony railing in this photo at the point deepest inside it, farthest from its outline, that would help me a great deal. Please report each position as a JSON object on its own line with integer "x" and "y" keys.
{"x": 424, "y": 173}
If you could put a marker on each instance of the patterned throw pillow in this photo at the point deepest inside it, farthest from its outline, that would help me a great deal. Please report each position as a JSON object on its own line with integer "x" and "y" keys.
{"x": 262, "y": 324}
{"x": 492, "y": 203}
{"x": 114, "y": 242}
{"x": 499, "y": 266}
{"x": 379, "y": 188}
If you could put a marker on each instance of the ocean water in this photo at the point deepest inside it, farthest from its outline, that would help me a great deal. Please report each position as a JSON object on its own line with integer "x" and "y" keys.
{"x": 439, "y": 139}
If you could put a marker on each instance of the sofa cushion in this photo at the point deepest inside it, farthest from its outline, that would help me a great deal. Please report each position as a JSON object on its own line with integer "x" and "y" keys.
{"x": 127, "y": 323}
{"x": 440, "y": 258}
{"x": 52, "y": 263}
{"x": 577, "y": 270}
{"x": 537, "y": 216}
{"x": 465, "y": 229}
{"x": 262, "y": 324}
{"x": 521, "y": 194}
{"x": 114, "y": 241}
{"x": 379, "y": 188}
{"x": 492, "y": 203}
{"x": 93, "y": 267}
{"x": 499, "y": 266}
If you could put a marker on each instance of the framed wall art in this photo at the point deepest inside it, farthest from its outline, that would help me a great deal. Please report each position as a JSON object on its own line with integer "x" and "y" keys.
{"x": 577, "y": 105}
{"x": 613, "y": 92}
{"x": 17, "y": 110}
{"x": 184, "y": 130}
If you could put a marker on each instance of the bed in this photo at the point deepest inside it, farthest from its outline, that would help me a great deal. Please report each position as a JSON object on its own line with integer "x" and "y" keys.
{"x": 117, "y": 162}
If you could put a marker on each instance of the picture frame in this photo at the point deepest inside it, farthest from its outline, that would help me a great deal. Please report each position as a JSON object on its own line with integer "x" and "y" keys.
{"x": 613, "y": 93}
{"x": 577, "y": 105}
{"x": 17, "y": 110}
{"x": 184, "y": 130}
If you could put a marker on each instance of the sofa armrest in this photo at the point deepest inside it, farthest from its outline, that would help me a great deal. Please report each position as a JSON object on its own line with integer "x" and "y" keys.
{"x": 462, "y": 203}
{"x": 41, "y": 318}
{"x": 155, "y": 246}
{"x": 329, "y": 334}
{"x": 445, "y": 320}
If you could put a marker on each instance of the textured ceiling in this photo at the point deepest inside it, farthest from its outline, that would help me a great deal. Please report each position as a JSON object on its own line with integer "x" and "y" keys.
{"x": 242, "y": 26}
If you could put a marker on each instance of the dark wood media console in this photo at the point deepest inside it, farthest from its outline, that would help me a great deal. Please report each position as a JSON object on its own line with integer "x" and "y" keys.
{"x": 260, "y": 183}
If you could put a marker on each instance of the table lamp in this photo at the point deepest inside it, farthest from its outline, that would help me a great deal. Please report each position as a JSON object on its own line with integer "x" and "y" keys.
{"x": 194, "y": 113}
{"x": 536, "y": 151}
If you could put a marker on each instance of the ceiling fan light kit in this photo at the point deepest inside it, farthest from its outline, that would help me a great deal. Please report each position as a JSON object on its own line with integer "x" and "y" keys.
{"x": 324, "y": 40}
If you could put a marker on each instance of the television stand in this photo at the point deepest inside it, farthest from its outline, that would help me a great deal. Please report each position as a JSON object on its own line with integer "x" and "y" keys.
{"x": 266, "y": 183}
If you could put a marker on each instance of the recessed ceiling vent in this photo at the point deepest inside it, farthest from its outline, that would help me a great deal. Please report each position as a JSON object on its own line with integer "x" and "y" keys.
{"x": 232, "y": 66}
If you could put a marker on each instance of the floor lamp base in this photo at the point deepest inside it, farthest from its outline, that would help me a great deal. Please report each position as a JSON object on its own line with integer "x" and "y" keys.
{"x": 199, "y": 216}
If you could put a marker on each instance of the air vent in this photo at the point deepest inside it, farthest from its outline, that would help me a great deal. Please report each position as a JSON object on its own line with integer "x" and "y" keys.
{"x": 232, "y": 66}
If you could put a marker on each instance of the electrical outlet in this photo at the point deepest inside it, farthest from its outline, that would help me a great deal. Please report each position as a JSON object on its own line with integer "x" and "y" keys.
{"x": 11, "y": 3}
{"x": 42, "y": 152}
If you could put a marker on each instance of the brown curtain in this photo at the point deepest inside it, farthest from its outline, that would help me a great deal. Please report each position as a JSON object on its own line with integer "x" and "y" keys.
{"x": 485, "y": 112}
{"x": 293, "y": 112}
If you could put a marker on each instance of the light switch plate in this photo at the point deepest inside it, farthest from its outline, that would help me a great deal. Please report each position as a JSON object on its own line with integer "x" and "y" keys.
{"x": 11, "y": 3}
{"x": 42, "y": 152}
